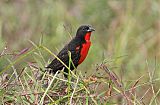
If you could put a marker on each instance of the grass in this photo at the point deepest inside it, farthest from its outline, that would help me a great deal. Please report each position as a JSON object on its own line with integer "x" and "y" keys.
{"x": 26, "y": 88}
{"x": 122, "y": 66}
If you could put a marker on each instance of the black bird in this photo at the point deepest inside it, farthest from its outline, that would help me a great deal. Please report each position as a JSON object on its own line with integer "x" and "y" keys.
{"x": 78, "y": 47}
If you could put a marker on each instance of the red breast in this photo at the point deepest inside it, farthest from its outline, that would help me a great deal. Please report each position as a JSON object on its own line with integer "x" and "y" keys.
{"x": 85, "y": 48}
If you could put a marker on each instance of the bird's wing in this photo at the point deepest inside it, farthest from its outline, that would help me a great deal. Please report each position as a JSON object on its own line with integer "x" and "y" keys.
{"x": 56, "y": 64}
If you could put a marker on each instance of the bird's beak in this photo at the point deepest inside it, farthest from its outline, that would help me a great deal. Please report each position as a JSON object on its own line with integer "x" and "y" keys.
{"x": 91, "y": 29}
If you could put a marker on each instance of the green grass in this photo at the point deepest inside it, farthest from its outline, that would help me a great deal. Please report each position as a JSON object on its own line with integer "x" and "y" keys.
{"x": 126, "y": 41}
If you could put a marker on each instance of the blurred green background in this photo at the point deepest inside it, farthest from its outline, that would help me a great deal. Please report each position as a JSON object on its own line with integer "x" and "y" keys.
{"x": 127, "y": 34}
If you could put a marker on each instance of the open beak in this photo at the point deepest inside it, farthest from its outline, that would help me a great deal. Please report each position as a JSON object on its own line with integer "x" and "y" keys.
{"x": 91, "y": 29}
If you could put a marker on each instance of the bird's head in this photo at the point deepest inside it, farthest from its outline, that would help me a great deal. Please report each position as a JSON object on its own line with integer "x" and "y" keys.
{"x": 84, "y": 32}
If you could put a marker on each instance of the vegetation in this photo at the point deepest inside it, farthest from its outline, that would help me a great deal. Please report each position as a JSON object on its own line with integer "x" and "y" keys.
{"x": 122, "y": 66}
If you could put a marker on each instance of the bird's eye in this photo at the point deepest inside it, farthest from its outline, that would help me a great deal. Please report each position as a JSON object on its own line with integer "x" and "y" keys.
{"x": 86, "y": 28}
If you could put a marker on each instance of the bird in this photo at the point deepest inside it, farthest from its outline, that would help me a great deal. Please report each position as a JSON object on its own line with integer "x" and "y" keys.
{"x": 78, "y": 48}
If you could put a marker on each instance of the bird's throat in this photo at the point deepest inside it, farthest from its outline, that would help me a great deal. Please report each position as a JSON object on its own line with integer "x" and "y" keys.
{"x": 87, "y": 36}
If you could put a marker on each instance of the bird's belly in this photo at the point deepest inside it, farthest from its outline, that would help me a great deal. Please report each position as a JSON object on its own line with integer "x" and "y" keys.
{"x": 84, "y": 51}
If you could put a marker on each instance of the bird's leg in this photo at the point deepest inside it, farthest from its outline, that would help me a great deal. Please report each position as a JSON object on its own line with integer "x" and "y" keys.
{"x": 66, "y": 71}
